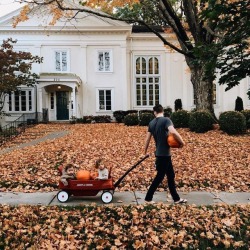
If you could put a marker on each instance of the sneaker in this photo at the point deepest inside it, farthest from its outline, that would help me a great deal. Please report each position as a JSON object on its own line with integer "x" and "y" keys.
{"x": 180, "y": 201}
{"x": 150, "y": 202}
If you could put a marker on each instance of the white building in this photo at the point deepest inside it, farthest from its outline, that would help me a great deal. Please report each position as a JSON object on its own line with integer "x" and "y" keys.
{"x": 94, "y": 66}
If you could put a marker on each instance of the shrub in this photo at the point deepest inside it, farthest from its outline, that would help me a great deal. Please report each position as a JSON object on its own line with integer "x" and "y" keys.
{"x": 177, "y": 105}
{"x": 150, "y": 111}
{"x": 238, "y": 104}
{"x": 131, "y": 111}
{"x": 119, "y": 115}
{"x": 232, "y": 122}
{"x": 87, "y": 119}
{"x": 180, "y": 118}
{"x": 102, "y": 119}
{"x": 167, "y": 111}
{"x": 201, "y": 121}
{"x": 246, "y": 113}
{"x": 145, "y": 119}
{"x": 131, "y": 120}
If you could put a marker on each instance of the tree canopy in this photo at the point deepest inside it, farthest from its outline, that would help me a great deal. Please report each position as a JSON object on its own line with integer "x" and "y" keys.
{"x": 15, "y": 69}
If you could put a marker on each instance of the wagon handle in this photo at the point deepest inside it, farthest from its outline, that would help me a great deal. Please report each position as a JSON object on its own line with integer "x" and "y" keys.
{"x": 129, "y": 170}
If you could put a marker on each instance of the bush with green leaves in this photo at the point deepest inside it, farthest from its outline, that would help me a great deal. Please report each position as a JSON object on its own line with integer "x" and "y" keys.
{"x": 180, "y": 118}
{"x": 119, "y": 115}
{"x": 131, "y": 120}
{"x": 145, "y": 119}
{"x": 246, "y": 113}
{"x": 232, "y": 122}
{"x": 239, "y": 104}
{"x": 168, "y": 111}
{"x": 201, "y": 121}
{"x": 177, "y": 104}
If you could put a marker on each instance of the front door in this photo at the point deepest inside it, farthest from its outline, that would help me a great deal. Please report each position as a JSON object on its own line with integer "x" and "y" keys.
{"x": 62, "y": 105}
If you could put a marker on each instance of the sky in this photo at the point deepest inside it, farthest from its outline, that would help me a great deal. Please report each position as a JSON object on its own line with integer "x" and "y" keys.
{"x": 7, "y": 6}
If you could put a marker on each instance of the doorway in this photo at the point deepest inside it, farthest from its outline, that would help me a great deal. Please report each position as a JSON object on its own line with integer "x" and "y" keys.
{"x": 62, "y": 105}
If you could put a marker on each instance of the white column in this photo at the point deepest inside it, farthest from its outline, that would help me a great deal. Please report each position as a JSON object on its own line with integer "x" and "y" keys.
{"x": 124, "y": 80}
{"x": 40, "y": 99}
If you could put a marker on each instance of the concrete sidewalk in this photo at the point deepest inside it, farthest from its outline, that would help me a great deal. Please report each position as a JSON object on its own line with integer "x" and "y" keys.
{"x": 124, "y": 198}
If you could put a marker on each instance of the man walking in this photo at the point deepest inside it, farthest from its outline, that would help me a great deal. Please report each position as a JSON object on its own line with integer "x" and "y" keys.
{"x": 158, "y": 128}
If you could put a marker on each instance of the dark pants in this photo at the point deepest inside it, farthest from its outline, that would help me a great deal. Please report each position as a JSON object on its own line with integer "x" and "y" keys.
{"x": 164, "y": 167}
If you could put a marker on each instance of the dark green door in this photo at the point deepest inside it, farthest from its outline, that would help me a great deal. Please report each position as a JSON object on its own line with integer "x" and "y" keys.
{"x": 62, "y": 102}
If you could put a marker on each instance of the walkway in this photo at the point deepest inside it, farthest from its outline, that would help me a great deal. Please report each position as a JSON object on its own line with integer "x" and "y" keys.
{"x": 124, "y": 198}
{"x": 50, "y": 136}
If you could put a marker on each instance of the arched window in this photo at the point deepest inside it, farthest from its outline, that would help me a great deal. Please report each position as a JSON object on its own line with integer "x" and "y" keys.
{"x": 147, "y": 80}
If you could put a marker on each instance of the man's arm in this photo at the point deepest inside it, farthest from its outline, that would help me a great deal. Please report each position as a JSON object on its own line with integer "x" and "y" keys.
{"x": 147, "y": 141}
{"x": 178, "y": 137}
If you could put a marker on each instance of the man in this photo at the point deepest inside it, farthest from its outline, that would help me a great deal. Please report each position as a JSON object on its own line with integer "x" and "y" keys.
{"x": 159, "y": 128}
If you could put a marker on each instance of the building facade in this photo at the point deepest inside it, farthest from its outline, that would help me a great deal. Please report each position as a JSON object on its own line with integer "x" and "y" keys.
{"x": 94, "y": 66}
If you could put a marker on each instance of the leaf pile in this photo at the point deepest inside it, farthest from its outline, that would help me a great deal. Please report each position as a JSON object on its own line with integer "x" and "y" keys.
{"x": 125, "y": 227}
{"x": 213, "y": 161}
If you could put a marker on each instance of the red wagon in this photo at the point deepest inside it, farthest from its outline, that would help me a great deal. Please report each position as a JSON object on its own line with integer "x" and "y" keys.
{"x": 93, "y": 187}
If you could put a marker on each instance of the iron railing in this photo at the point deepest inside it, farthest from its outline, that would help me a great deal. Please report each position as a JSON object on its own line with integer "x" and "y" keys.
{"x": 18, "y": 126}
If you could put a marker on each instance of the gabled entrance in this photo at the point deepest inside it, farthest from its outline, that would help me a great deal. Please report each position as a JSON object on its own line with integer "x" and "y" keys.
{"x": 62, "y": 105}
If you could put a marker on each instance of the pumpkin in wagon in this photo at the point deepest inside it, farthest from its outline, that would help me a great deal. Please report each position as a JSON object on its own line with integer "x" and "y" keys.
{"x": 83, "y": 175}
{"x": 172, "y": 141}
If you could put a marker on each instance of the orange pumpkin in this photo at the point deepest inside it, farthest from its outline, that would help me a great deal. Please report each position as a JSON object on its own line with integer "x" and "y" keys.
{"x": 172, "y": 142}
{"x": 83, "y": 175}
{"x": 93, "y": 175}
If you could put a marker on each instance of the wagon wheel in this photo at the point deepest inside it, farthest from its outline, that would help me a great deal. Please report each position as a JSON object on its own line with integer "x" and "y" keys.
{"x": 107, "y": 197}
{"x": 62, "y": 196}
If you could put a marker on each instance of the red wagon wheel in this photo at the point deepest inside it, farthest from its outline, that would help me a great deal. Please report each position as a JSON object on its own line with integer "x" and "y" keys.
{"x": 107, "y": 197}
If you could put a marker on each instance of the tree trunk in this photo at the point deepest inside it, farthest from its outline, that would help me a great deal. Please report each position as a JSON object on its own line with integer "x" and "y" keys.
{"x": 203, "y": 89}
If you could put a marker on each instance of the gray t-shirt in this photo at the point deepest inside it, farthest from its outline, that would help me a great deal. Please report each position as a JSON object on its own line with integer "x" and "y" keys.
{"x": 159, "y": 129}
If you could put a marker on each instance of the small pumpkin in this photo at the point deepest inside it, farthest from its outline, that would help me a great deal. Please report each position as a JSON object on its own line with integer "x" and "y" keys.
{"x": 93, "y": 175}
{"x": 172, "y": 141}
{"x": 83, "y": 175}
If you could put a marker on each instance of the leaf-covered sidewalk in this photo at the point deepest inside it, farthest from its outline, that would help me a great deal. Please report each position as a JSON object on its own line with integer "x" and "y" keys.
{"x": 125, "y": 227}
{"x": 213, "y": 161}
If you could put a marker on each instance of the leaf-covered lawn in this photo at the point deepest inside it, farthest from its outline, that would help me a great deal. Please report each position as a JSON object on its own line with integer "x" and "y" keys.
{"x": 210, "y": 161}
{"x": 125, "y": 227}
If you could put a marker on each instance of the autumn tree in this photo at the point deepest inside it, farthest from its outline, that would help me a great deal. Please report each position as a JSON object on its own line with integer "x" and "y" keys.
{"x": 15, "y": 70}
{"x": 211, "y": 34}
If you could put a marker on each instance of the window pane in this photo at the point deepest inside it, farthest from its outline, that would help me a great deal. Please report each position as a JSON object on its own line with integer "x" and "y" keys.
{"x": 150, "y": 79}
{"x": 58, "y": 61}
{"x": 64, "y": 61}
{"x": 157, "y": 79}
{"x": 138, "y": 95}
{"x": 144, "y": 80}
{"x": 101, "y": 100}
{"x": 144, "y": 95}
{"x": 157, "y": 94}
{"x": 144, "y": 66}
{"x": 16, "y": 96}
{"x": 100, "y": 61}
{"x": 156, "y": 65}
{"x": 107, "y": 61}
{"x": 10, "y": 101}
{"x": 138, "y": 80}
{"x": 138, "y": 65}
{"x": 151, "y": 94}
{"x": 23, "y": 100}
{"x": 30, "y": 101}
{"x": 150, "y": 66}
{"x": 52, "y": 101}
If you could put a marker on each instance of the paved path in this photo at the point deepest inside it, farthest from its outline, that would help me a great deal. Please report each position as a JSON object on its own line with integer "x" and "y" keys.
{"x": 50, "y": 136}
{"x": 124, "y": 198}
